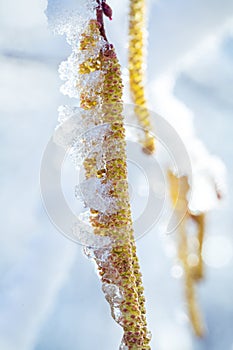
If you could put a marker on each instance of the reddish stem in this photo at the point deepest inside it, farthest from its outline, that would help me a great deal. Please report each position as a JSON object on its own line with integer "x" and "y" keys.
{"x": 100, "y": 19}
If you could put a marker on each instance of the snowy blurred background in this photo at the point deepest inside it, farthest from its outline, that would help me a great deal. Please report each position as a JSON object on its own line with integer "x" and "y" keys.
{"x": 50, "y": 296}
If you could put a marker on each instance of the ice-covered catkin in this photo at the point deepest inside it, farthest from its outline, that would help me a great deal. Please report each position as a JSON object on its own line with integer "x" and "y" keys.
{"x": 119, "y": 270}
{"x": 179, "y": 188}
{"x": 136, "y": 69}
{"x": 112, "y": 81}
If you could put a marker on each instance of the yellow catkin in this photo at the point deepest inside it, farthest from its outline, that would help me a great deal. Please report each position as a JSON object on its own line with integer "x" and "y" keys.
{"x": 121, "y": 267}
{"x": 198, "y": 270}
{"x": 136, "y": 70}
{"x": 179, "y": 188}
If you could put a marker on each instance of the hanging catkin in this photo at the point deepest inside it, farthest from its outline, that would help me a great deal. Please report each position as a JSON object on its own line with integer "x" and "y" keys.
{"x": 198, "y": 270}
{"x": 119, "y": 270}
{"x": 136, "y": 70}
{"x": 179, "y": 188}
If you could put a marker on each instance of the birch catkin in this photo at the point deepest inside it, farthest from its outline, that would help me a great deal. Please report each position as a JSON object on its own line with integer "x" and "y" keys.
{"x": 136, "y": 69}
{"x": 119, "y": 270}
{"x": 179, "y": 188}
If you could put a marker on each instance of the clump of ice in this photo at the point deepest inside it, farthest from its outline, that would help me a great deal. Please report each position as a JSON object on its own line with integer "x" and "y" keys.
{"x": 100, "y": 253}
{"x": 89, "y": 145}
{"x": 79, "y": 135}
{"x": 68, "y": 71}
{"x": 91, "y": 82}
{"x": 83, "y": 233}
{"x": 95, "y": 195}
{"x": 113, "y": 293}
{"x": 68, "y": 132}
{"x": 75, "y": 84}
{"x": 65, "y": 112}
{"x": 115, "y": 297}
{"x": 69, "y": 17}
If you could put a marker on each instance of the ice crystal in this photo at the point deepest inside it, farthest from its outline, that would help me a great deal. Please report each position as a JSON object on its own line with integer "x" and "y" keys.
{"x": 113, "y": 293}
{"x": 114, "y": 296}
{"x": 116, "y": 313}
{"x": 79, "y": 135}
